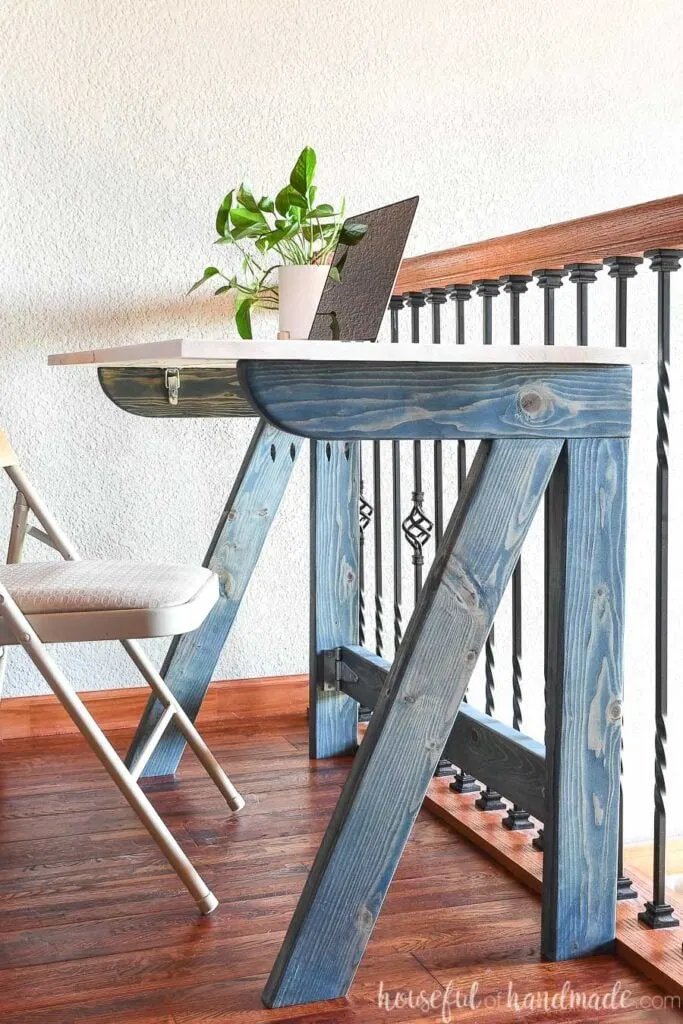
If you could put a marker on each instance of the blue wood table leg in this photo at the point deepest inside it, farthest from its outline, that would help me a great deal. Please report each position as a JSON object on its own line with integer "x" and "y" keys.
{"x": 587, "y": 515}
{"x": 412, "y": 721}
{"x": 233, "y": 554}
{"x": 335, "y": 538}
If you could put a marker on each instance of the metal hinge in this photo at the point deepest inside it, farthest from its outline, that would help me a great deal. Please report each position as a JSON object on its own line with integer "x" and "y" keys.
{"x": 172, "y": 385}
{"x": 332, "y": 670}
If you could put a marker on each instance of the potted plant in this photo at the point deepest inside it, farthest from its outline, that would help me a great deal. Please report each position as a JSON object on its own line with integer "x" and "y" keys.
{"x": 293, "y": 235}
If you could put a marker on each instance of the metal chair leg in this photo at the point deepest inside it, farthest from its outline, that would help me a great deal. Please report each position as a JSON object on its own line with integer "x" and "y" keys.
{"x": 87, "y": 726}
{"x": 55, "y": 537}
{"x": 15, "y": 550}
{"x": 185, "y": 726}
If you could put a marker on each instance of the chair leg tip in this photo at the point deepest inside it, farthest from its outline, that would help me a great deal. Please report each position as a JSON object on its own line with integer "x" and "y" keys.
{"x": 237, "y": 803}
{"x": 207, "y": 904}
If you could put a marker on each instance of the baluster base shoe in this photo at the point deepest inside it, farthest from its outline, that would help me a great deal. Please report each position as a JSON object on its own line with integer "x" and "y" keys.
{"x": 516, "y": 820}
{"x": 464, "y": 783}
{"x": 658, "y": 915}
{"x": 490, "y": 801}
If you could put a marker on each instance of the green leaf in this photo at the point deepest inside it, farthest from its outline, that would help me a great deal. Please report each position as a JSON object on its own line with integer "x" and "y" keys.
{"x": 246, "y": 197}
{"x": 352, "y": 234}
{"x": 287, "y": 198}
{"x": 222, "y": 290}
{"x": 266, "y": 204}
{"x": 334, "y": 274}
{"x": 223, "y": 214}
{"x": 209, "y": 272}
{"x": 273, "y": 237}
{"x": 242, "y": 218}
{"x": 243, "y": 317}
{"x": 323, "y": 232}
{"x": 324, "y": 210}
{"x": 303, "y": 172}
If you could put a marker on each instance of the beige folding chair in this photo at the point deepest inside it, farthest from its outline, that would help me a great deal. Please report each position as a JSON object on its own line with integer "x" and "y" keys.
{"x": 75, "y": 600}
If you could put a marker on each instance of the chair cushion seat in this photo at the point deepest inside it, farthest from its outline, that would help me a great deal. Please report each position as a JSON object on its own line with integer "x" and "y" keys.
{"x": 72, "y": 601}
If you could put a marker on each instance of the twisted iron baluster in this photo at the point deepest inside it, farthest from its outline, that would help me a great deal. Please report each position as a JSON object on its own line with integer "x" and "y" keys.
{"x": 622, "y": 268}
{"x": 417, "y": 526}
{"x": 436, "y": 298}
{"x": 377, "y": 498}
{"x": 395, "y": 306}
{"x": 658, "y": 913}
{"x": 549, "y": 280}
{"x": 364, "y": 517}
{"x": 365, "y": 512}
{"x": 460, "y": 294}
{"x": 490, "y": 799}
{"x": 516, "y": 819}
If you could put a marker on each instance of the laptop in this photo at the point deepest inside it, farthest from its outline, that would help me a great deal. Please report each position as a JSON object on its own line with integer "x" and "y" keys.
{"x": 353, "y": 308}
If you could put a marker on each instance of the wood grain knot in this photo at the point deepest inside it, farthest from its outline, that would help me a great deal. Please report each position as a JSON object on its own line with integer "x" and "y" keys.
{"x": 614, "y": 710}
{"x": 226, "y": 583}
{"x": 533, "y": 402}
{"x": 464, "y": 590}
{"x": 365, "y": 920}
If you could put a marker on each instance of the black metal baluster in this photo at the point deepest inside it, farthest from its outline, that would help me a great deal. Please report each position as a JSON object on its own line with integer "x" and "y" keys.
{"x": 461, "y": 293}
{"x": 622, "y": 268}
{"x": 516, "y": 818}
{"x": 658, "y": 913}
{"x": 549, "y": 279}
{"x": 395, "y": 306}
{"x": 582, "y": 274}
{"x": 365, "y": 511}
{"x": 436, "y": 298}
{"x": 364, "y": 517}
{"x": 490, "y": 799}
{"x": 417, "y": 527}
{"x": 377, "y": 499}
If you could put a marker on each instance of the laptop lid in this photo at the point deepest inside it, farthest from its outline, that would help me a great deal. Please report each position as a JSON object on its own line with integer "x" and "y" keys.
{"x": 352, "y": 309}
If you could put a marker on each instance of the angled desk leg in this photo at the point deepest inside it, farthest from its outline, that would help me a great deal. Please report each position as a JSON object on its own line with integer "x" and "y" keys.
{"x": 335, "y": 538}
{"x": 233, "y": 554}
{"x": 408, "y": 731}
{"x": 587, "y": 519}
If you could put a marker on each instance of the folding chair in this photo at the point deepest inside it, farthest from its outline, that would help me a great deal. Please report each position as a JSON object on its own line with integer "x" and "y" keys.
{"x": 75, "y": 600}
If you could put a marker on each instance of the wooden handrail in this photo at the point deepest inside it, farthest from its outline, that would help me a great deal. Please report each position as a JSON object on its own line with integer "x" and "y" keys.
{"x": 626, "y": 232}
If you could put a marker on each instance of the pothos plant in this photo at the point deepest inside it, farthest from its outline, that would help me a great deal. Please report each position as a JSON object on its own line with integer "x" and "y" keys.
{"x": 292, "y": 228}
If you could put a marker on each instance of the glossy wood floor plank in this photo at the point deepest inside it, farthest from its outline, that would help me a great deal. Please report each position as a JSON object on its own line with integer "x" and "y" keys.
{"x": 94, "y": 927}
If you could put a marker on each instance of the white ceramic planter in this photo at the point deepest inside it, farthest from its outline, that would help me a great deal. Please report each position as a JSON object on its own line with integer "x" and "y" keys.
{"x": 300, "y": 291}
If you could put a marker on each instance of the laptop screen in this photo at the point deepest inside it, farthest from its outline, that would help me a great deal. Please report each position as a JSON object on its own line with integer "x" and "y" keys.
{"x": 352, "y": 309}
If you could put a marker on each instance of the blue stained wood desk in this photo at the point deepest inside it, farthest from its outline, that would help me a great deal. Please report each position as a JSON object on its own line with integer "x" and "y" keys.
{"x": 553, "y": 418}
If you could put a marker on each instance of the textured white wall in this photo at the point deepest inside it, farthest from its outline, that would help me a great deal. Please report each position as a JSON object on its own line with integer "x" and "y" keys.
{"x": 124, "y": 123}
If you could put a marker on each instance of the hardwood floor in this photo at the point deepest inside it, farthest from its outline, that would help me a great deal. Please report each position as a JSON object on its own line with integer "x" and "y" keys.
{"x": 94, "y": 926}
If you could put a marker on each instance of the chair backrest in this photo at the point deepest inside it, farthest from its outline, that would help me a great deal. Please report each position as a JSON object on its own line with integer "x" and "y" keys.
{"x": 7, "y": 454}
